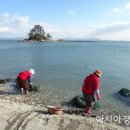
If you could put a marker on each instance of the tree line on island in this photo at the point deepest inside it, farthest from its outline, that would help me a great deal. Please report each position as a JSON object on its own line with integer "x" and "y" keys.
{"x": 37, "y": 33}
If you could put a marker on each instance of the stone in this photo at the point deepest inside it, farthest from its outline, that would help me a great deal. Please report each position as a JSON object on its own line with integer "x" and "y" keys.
{"x": 125, "y": 92}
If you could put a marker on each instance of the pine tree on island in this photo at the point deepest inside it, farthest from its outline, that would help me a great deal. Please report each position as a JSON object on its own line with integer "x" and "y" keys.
{"x": 37, "y": 33}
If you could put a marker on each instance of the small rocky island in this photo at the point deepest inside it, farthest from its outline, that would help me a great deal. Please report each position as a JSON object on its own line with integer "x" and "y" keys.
{"x": 38, "y": 34}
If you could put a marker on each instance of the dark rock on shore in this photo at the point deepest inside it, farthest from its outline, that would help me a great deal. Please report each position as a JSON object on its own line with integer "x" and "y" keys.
{"x": 78, "y": 101}
{"x": 125, "y": 92}
{"x": 34, "y": 88}
{"x": 3, "y": 81}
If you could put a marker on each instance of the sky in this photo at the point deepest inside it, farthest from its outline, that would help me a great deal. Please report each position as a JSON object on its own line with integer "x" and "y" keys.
{"x": 66, "y": 19}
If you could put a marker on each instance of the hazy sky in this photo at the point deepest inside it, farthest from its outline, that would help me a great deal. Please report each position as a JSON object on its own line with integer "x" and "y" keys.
{"x": 68, "y": 19}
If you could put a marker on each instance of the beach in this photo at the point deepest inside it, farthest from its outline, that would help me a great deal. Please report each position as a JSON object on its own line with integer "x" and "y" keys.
{"x": 20, "y": 112}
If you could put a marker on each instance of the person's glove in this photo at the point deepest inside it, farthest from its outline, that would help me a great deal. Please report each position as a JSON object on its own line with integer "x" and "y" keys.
{"x": 31, "y": 83}
{"x": 22, "y": 90}
{"x": 98, "y": 96}
{"x": 27, "y": 92}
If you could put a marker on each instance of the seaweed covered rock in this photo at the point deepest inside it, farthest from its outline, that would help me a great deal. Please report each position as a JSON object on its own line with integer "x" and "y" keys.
{"x": 125, "y": 92}
{"x": 3, "y": 81}
{"x": 34, "y": 88}
{"x": 78, "y": 101}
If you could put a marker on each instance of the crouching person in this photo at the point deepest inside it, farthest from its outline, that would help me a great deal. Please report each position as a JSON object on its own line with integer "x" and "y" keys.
{"x": 24, "y": 80}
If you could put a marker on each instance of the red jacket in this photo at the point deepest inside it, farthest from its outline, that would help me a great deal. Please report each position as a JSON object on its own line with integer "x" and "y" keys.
{"x": 91, "y": 83}
{"x": 24, "y": 75}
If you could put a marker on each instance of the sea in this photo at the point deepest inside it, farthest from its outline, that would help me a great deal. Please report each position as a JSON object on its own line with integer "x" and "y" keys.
{"x": 60, "y": 67}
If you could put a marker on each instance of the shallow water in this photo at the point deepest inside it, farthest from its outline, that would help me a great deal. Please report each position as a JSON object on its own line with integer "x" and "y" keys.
{"x": 61, "y": 67}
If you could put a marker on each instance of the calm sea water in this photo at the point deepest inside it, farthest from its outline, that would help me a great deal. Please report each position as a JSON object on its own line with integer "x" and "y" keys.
{"x": 62, "y": 67}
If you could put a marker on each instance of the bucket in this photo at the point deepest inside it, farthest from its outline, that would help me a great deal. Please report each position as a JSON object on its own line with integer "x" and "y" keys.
{"x": 55, "y": 110}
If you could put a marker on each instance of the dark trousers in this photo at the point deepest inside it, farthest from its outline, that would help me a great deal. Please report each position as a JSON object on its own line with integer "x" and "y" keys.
{"x": 89, "y": 100}
{"x": 23, "y": 84}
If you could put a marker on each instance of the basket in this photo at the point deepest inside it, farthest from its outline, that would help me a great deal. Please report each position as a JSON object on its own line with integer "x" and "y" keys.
{"x": 55, "y": 110}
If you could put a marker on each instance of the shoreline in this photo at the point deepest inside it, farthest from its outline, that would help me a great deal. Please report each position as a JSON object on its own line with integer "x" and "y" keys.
{"x": 10, "y": 96}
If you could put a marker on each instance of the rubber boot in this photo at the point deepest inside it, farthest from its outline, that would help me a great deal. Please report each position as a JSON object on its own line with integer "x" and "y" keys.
{"x": 89, "y": 113}
{"x": 88, "y": 110}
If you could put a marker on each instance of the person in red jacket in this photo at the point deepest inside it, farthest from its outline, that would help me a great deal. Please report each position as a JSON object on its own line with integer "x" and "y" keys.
{"x": 24, "y": 79}
{"x": 90, "y": 88}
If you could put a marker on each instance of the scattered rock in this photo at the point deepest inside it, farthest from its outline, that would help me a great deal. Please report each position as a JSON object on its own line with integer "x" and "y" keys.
{"x": 79, "y": 102}
{"x": 125, "y": 92}
{"x": 34, "y": 88}
{"x": 3, "y": 81}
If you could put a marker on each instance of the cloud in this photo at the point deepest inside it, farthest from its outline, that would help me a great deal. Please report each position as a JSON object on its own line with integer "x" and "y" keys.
{"x": 68, "y": 32}
{"x": 123, "y": 9}
{"x": 14, "y": 25}
{"x": 115, "y": 27}
{"x": 121, "y": 35}
{"x": 116, "y": 9}
{"x": 71, "y": 12}
{"x": 127, "y": 6}
{"x": 19, "y": 26}
{"x": 114, "y": 31}
{"x": 4, "y": 29}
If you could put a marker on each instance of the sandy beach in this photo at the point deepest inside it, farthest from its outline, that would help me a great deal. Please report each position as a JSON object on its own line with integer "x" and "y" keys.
{"x": 17, "y": 112}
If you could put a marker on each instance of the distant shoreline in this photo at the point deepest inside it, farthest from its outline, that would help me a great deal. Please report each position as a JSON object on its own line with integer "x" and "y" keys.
{"x": 61, "y": 40}
{"x": 69, "y": 41}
